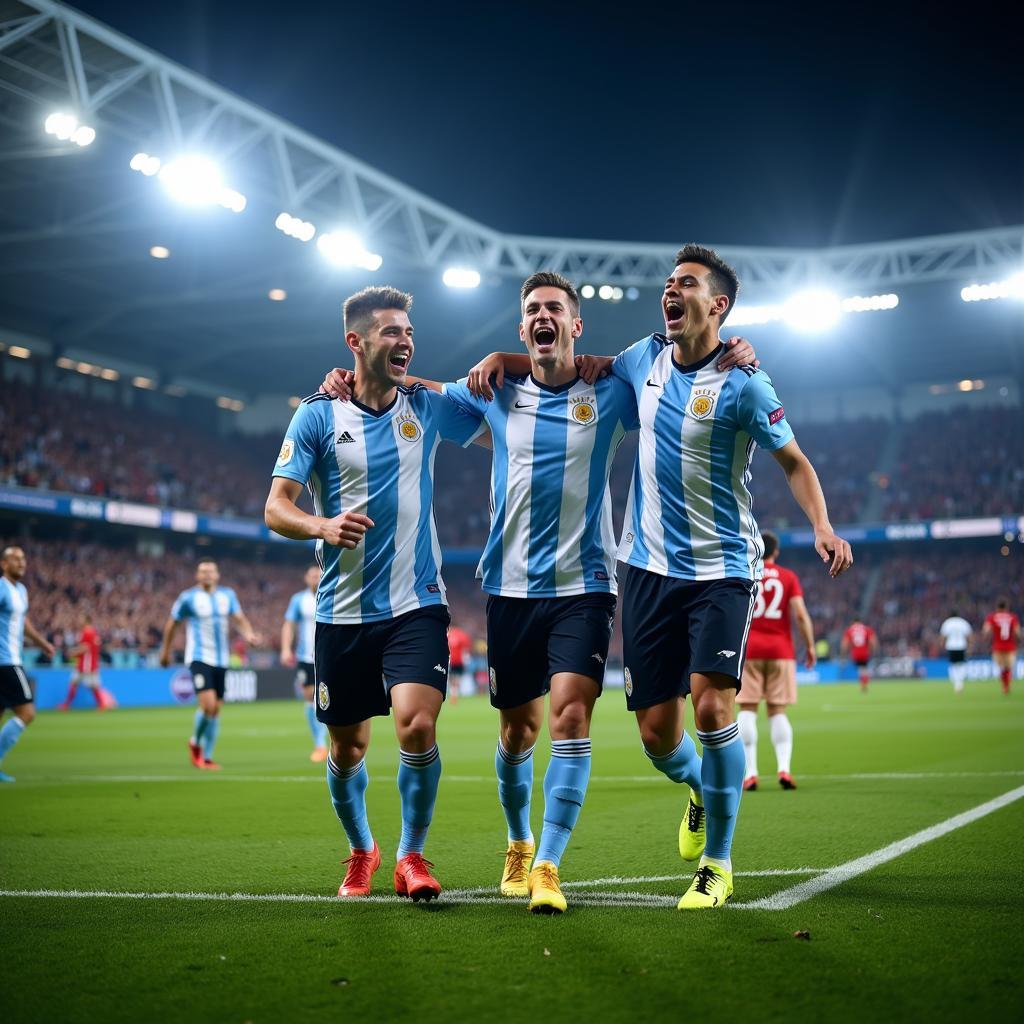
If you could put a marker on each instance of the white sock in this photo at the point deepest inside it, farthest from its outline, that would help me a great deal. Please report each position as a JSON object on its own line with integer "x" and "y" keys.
{"x": 782, "y": 739}
{"x": 748, "y": 734}
{"x": 725, "y": 865}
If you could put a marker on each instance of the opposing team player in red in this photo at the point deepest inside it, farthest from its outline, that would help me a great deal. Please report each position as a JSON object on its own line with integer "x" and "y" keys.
{"x": 1004, "y": 628}
{"x": 769, "y": 671}
{"x": 861, "y": 644}
{"x": 460, "y": 648}
{"x": 87, "y": 667}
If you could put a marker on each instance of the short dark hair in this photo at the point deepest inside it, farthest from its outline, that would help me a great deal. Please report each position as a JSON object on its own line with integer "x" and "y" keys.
{"x": 359, "y": 308}
{"x": 1002, "y": 604}
{"x": 549, "y": 279}
{"x": 724, "y": 280}
{"x": 771, "y": 543}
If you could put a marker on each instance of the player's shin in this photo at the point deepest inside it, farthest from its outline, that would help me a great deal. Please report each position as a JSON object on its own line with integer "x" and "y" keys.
{"x": 10, "y": 734}
{"x": 565, "y": 787}
{"x": 515, "y": 790}
{"x": 418, "y": 778}
{"x": 314, "y": 725}
{"x": 348, "y": 795}
{"x": 681, "y": 765}
{"x": 199, "y": 725}
{"x": 782, "y": 740}
{"x": 722, "y": 776}
{"x": 210, "y": 735}
{"x": 747, "y": 722}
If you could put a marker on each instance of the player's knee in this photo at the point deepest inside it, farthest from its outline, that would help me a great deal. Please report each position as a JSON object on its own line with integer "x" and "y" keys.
{"x": 416, "y": 730}
{"x": 713, "y": 710}
{"x": 27, "y": 714}
{"x": 570, "y": 722}
{"x": 658, "y": 737}
{"x": 519, "y": 735}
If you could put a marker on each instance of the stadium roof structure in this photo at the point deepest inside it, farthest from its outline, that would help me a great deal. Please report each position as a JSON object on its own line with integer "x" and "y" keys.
{"x": 77, "y": 227}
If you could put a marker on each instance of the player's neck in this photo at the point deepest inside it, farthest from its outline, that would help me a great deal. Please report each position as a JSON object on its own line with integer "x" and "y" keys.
{"x": 554, "y": 376}
{"x": 374, "y": 394}
{"x": 208, "y": 587}
{"x": 689, "y": 351}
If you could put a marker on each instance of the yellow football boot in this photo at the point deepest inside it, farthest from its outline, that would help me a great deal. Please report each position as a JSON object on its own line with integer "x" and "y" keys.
{"x": 691, "y": 829}
{"x": 515, "y": 878}
{"x": 711, "y": 887}
{"x": 545, "y": 891}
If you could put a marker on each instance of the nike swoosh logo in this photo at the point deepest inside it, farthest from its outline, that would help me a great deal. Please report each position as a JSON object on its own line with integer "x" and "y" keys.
{"x": 522, "y": 405}
{"x": 651, "y": 384}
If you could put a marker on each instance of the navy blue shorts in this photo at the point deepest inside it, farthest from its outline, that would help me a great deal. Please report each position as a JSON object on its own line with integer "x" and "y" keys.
{"x": 530, "y": 639}
{"x": 14, "y": 688}
{"x": 356, "y": 666}
{"x": 208, "y": 677}
{"x": 305, "y": 674}
{"x": 672, "y": 627}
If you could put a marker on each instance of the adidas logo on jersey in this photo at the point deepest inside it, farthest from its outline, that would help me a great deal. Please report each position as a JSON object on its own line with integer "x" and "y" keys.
{"x": 345, "y": 438}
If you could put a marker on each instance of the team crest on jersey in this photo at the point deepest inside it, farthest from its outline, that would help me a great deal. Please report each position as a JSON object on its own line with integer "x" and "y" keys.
{"x": 286, "y": 452}
{"x": 702, "y": 403}
{"x": 628, "y": 677}
{"x": 323, "y": 696}
{"x": 583, "y": 410}
{"x": 493, "y": 682}
{"x": 408, "y": 428}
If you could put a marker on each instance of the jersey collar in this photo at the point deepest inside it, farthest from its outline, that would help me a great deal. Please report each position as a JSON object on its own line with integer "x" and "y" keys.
{"x": 694, "y": 367}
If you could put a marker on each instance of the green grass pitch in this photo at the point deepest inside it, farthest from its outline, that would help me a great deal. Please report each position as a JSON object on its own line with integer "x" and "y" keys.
{"x": 109, "y": 802}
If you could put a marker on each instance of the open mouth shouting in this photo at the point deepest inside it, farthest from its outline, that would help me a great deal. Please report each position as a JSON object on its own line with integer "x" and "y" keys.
{"x": 399, "y": 361}
{"x": 544, "y": 339}
{"x": 674, "y": 314}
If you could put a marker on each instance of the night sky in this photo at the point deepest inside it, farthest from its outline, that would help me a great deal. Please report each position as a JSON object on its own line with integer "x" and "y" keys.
{"x": 767, "y": 124}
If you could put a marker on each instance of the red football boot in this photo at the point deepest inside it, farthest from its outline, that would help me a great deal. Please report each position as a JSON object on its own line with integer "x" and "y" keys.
{"x": 210, "y": 766}
{"x": 196, "y": 753}
{"x": 786, "y": 781}
{"x": 750, "y": 784}
{"x": 361, "y": 866}
{"x": 412, "y": 878}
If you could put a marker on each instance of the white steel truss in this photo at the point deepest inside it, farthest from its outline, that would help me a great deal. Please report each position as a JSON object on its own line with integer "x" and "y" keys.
{"x": 52, "y": 56}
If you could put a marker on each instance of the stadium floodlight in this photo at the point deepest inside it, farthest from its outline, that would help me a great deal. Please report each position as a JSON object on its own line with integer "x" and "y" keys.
{"x": 196, "y": 181}
{"x": 461, "y": 277}
{"x": 145, "y": 164}
{"x": 587, "y": 291}
{"x": 277, "y": 295}
{"x": 145, "y": 383}
{"x": 233, "y": 404}
{"x": 744, "y": 316}
{"x": 617, "y": 294}
{"x": 869, "y": 303}
{"x": 344, "y": 249}
{"x": 159, "y": 252}
{"x": 19, "y": 351}
{"x": 65, "y": 127}
{"x": 604, "y": 292}
{"x": 813, "y": 310}
{"x": 1011, "y": 288}
{"x": 83, "y": 135}
{"x": 632, "y": 294}
{"x": 295, "y": 227}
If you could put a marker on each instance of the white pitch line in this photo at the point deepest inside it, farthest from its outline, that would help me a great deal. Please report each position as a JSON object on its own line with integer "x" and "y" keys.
{"x": 851, "y": 869}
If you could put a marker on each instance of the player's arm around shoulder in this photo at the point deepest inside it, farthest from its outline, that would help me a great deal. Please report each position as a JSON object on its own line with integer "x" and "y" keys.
{"x": 461, "y": 416}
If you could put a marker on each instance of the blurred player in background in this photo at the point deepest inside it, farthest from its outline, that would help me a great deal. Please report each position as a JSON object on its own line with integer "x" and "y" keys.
{"x": 769, "y": 673}
{"x": 382, "y": 618}
{"x": 87, "y": 668}
{"x": 860, "y": 644}
{"x": 460, "y": 651}
{"x": 956, "y": 633}
{"x": 209, "y": 610}
{"x": 1003, "y": 627}
{"x": 297, "y": 634}
{"x": 15, "y": 625}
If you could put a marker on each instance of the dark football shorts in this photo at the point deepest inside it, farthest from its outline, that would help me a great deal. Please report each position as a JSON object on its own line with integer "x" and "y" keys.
{"x": 672, "y": 628}
{"x": 14, "y": 688}
{"x": 862, "y": 662}
{"x": 208, "y": 677}
{"x": 530, "y": 639}
{"x": 304, "y": 673}
{"x": 956, "y": 657}
{"x": 357, "y": 665}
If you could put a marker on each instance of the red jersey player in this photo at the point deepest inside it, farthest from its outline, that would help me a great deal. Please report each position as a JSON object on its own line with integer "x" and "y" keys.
{"x": 769, "y": 671}
{"x": 1004, "y": 628}
{"x": 460, "y": 647}
{"x": 87, "y": 666}
{"x": 860, "y": 642}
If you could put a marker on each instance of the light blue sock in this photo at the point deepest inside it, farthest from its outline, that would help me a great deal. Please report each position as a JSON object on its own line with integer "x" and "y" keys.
{"x": 10, "y": 734}
{"x": 565, "y": 786}
{"x": 210, "y": 736}
{"x": 199, "y": 725}
{"x": 682, "y": 765}
{"x": 515, "y": 788}
{"x": 314, "y": 725}
{"x": 418, "y": 776}
{"x": 722, "y": 776}
{"x": 321, "y": 736}
{"x": 348, "y": 794}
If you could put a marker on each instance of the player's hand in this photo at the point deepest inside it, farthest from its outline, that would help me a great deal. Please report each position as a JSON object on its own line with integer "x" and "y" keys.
{"x": 254, "y": 639}
{"x": 592, "y": 368}
{"x": 165, "y": 659}
{"x": 738, "y": 352}
{"x": 47, "y": 648}
{"x": 810, "y": 658}
{"x": 288, "y": 659}
{"x": 339, "y": 383}
{"x": 346, "y": 530}
{"x": 479, "y": 380}
{"x": 833, "y": 550}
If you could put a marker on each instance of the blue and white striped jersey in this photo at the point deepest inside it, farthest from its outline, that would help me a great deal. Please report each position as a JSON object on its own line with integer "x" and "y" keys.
{"x": 381, "y": 464}
{"x": 689, "y": 510}
{"x": 13, "y": 612}
{"x": 551, "y": 514}
{"x": 207, "y": 616}
{"x": 302, "y": 611}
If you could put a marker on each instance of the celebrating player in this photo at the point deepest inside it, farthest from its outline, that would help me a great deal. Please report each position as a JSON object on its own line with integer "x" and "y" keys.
{"x": 381, "y": 611}
{"x": 692, "y": 546}
{"x": 460, "y": 678}
{"x": 1003, "y": 627}
{"x": 548, "y": 569}
{"x": 297, "y": 634}
{"x": 15, "y": 625}
{"x": 769, "y": 673}
{"x": 956, "y": 634}
{"x": 209, "y": 610}
{"x": 861, "y": 644}
{"x": 87, "y": 668}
